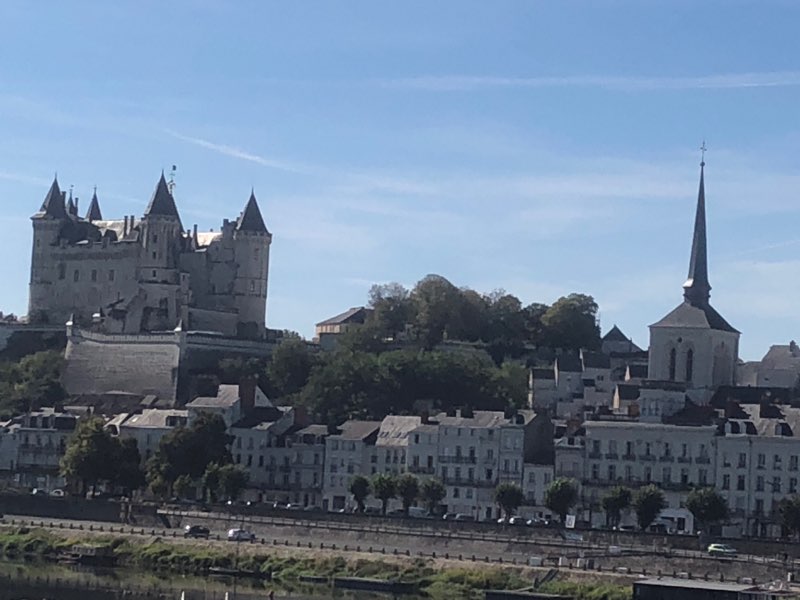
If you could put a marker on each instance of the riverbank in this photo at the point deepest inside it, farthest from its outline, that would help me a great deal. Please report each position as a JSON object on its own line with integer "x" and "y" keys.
{"x": 287, "y": 567}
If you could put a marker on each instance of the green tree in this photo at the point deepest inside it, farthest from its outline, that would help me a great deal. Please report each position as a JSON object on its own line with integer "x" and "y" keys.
{"x": 210, "y": 482}
{"x": 407, "y": 488}
{"x": 614, "y": 502}
{"x": 31, "y": 382}
{"x": 509, "y": 497}
{"x": 392, "y": 309}
{"x": 233, "y": 480}
{"x": 708, "y": 507}
{"x": 189, "y": 450}
{"x": 432, "y": 492}
{"x": 290, "y": 367}
{"x": 384, "y": 487}
{"x": 128, "y": 473}
{"x": 571, "y": 323}
{"x": 648, "y": 502}
{"x": 532, "y": 316}
{"x": 789, "y": 513}
{"x": 89, "y": 455}
{"x": 360, "y": 488}
{"x": 183, "y": 486}
{"x": 436, "y": 301}
{"x": 560, "y": 496}
{"x": 506, "y": 327}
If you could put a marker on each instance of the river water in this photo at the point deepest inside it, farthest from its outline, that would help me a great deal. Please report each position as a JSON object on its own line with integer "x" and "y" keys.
{"x": 34, "y": 581}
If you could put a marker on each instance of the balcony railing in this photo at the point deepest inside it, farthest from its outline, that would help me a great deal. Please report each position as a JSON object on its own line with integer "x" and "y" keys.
{"x": 685, "y": 459}
{"x": 629, "y": 457}
{"x": 647, "y": 457}
{"x": 422, "y": 470}
{"x": 459, "y": 460}
{"x": 666, "y": 458}
{"x": 612, "y": 455}
{"x": 703, "y": 460}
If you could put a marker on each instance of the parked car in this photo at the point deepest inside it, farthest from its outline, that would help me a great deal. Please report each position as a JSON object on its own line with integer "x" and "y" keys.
{"x": 449, "y": 516}
{"x": 626, "y": 528}
{"x": 518, "y": 521}
{"x": 419, "y": 512}
{"x": 196, "y": 531}
{"x": 397, "y": 512}
{"x": 464, "y": 517}
{"x": 294, "y": 506}
{"x": 38, "y": 492}
{"x": 502, "y": 521}
{"x": 372, "y": 510}
{"x": 58, "y": 493}
{"x": 722, "y": 550}
{"x": 240, "y": 535}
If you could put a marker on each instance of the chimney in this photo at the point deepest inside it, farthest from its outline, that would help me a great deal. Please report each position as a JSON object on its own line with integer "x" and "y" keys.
{"x": 194, "y": 233}
{"x": 247, "y": 393}
{"x": 76, "y": 206}
{"x": 425, "y": 417}
{"x": 125, "y": 226}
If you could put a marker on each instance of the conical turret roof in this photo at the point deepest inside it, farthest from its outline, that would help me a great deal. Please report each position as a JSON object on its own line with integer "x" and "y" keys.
{"x": 251, "y": 219}
{"x": 94, "y": 214}
{"x": 162, "y": 203}
{"x": 697, "y": 289}
{"x": 53, "y": 205}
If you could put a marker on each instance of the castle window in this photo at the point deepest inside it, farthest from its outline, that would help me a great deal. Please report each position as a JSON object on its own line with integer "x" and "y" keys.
{"x": 62, "y": 271}
{"x": 689, "y": 365}
{"x": 252, "y": 286}
{"x": 672, "y": 360}
{"x": 154, "y": 273}
{"x": 155, "y": 238}
{"x": 155, "y": 254}
{"x": 94, "y": 274}
{"x": 76, "y": 275}
{"x": 111, "y": 275}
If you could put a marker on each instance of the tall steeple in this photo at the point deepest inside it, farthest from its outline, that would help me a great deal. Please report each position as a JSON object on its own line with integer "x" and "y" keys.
{"x": 53, "y": 205}
{"x": 697, "y": 289}
{"x": 162, "y": 203}
{"x": 94, "y": 214}
{"x": 251, "y": 219}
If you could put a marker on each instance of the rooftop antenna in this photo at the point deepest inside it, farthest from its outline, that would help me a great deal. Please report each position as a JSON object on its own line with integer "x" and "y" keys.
{"x": 703, "y": 154}
{"x": 70, "y": 191}
{"x": 171, "y": 182}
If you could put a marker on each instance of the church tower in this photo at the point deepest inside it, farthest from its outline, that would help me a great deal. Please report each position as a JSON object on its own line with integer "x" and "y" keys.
{"x": 694, "y": 344}
{"x": 45, "y": 270}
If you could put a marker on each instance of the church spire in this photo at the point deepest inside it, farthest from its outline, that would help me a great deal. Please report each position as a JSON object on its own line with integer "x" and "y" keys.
{"x": 94, "y": 214}
{"x": 697, "y": 289}
{"x": 53, "y": 205}
{"x": 251, "y": 219}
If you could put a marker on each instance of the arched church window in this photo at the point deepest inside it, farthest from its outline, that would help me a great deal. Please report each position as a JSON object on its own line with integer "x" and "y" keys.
{"x": 689, "y": 365}
{"x": 672, "y": 361}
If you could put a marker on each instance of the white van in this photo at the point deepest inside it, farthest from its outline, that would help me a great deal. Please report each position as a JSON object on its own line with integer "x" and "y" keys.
{"x": 417, "y": 512}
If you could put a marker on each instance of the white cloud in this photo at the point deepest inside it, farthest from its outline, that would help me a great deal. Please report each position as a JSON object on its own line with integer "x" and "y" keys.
{"x": 447, "y": 83}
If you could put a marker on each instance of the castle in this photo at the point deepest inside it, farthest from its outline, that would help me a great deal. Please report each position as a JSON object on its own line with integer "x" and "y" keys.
{"x": 148, "y": 274}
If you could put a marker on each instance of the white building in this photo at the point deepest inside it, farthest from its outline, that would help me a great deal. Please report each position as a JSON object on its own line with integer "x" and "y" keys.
{"x": 148, "y": 427}
{"x": 349, "y": 452}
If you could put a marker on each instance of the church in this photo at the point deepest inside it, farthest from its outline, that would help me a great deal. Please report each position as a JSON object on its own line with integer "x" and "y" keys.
{"x": 147, "y": 274}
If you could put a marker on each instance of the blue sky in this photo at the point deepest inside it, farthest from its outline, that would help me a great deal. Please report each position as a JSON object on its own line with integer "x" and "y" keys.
{"x": 538, "y": 147}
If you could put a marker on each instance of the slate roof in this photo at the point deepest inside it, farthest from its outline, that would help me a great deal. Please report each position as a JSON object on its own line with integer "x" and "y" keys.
{"x": 595, "y": 360}
{"x": 94, "y": 214}
{"x": 544, "y": 373}
{"x": 637, "y": 371}
{"x": 394, "y": 430}
{"x": 53, "y": 205}
{"x": 251, "y": 219}
{"x": 750, "y": 395}
{"x": 357, "y": 430}
{"x": 162, "y": 203}
{"x": 687, "y": 315}
{"x": 155, "y": 418}
{"x": 357, "y": 314}
{"x": 615, "y": 335}
{"x": 627, "y": 391}
{"x": 569, "y": 363}
{"x": 782, "y": 356}
{"x": 227, "y": 395}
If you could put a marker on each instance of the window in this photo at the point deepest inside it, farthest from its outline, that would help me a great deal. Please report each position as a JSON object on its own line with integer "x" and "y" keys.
{"x": 249, "y": 460}
{"x": 776, "y": 485}
{"x": 759, "y": 506}
{"x": 740, "y": 483}
{"x": 629, "y": 448}
{"x": 689, "y": 365}
{"x": 726, "y": 482}
{"x": 252, "y": 286}
{"x": 684, "y": 450}
{"x": 76, "y": 275}
{"x": 456, "y": 492}
{"x": 444, "y": 472}
{"x": 702, "y": 476}
{"x": 62, "y": 271}
{"x": 776, "y": 462}
{"x": 596, "y": 447}
{"x": 793, "y": 485}
{"x": 628, "y": 473}
{"x": 725, "y": 461}
{"x": 793, "y": 463}
{"x": 647, "y": 449}
{"x": 532, "y": 477}
{"x": 742, "y": 460}
{"x": 489, "y": 475}
{"x": 490, "y": 454}
{"x": 762, "y": 461}
{"x": 154, "y": 273}
{"x": 648, "y": 474}
{"x": 667, "y": 449}
{"x": 760, "y": 483}
{"x": 612, "y": 472}
{"x": 94, "y": 274}
{"x": 672, "y": 357}
{"x": 595, "y": 471}
{"x": 470, "y": 473}
{"x": 416, "y": 438}
{"x": 469, "y": 493}
{"x": 684, "y": 476}
{"x": 666, "y": 475}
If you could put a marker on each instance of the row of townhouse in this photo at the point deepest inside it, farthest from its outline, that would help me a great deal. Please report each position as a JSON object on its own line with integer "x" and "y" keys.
{"x": 750, "y": 454}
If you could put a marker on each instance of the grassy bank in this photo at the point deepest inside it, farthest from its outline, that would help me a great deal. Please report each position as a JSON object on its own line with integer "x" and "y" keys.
{"x": 287, "y": 567}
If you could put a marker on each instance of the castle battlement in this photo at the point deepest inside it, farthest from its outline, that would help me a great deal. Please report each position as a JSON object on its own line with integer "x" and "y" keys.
{"x": 148, "y": 274}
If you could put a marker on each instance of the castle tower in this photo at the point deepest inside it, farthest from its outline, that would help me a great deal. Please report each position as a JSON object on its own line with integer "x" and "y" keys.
{"x": 252, "y": 241}
{"x": 47, "y": 224}
{"x": 94, "y": 214}
{"x": 694, "y": 344}
{"x": 160, "y": 237}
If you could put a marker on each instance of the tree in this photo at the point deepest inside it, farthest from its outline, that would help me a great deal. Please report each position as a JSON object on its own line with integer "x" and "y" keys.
{"x": 789, "y": 511}
{"x": 506, "y": 327}
{"x": 233, "y": 480}
{"x": 509, "y": 497}
{"x": 30, "y": 383}
{"x": 189, "y": 450}
{"x": 210, "y": 482}
{"x": 407, "y": 487}
{"x": 384, "y": 487}
{"x": 128, "y": 473}
{"x": 532, "y": 318}
{"x": 571, "y": 322}
{"x": 436, "y": 301}
{"x": 290, "y": 367}
{"x": 708, "y": 507}
{"x": 560, "y": 496}
{"x": 182, "y": 486}
{"x": 360, "y": 488}
{"x": 432, "y": 492}
{"x": 392, "y": 309}
{"x": 89, "y": 455}
{"x": 648, "y": 502}
{"x": 616, "y": 501}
